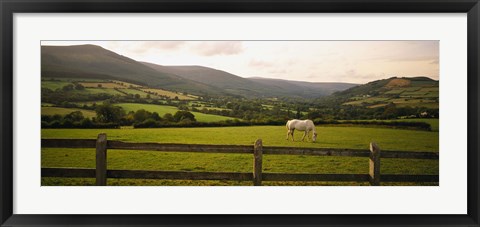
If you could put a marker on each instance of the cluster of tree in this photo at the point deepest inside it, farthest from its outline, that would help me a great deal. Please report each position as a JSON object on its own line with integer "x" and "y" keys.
{"x": 245, "y": 109}
{"x": 396, "y": 124}
{"x": 186, "y": 124}
{"x": 59, "y": 96}
{"x": 73, "y": 86}
{"x": 145, "y": 119}
{"x": 74, "y": 120}
{"x": 110, "y": 116}
{"x": 257, "y": 110}
{"x": 250, "y": 111}
{"x": 390, "y": 111}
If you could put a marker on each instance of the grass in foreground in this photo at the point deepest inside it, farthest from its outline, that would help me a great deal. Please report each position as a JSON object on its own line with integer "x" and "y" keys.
{"x": 151, "y": 160}
{"x": 52, "y": 181}
{"x": 331, "y": 137}
{"x": 335, "y": 137}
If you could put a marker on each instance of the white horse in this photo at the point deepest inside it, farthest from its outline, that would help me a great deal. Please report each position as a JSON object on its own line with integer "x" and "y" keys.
{"x": 301, "y": 125}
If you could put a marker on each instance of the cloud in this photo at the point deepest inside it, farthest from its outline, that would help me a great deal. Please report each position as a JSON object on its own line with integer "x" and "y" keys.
{"x": 168, "y": 44}
{"x": 211, "y": 48}
{"x": 144, "y": 47}
{"x": 260, "y": 64}
{"x": 278, "y": 71}
{"x": 408, "y": 51}
{"x": 353, "y": 76}
{"x": 347, "y": 61}
{"x": 148, "y": 46}
{"x": 413, "y": 58}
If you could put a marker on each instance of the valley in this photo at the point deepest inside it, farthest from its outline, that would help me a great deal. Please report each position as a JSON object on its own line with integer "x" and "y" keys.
{"x": 87, "y": 90}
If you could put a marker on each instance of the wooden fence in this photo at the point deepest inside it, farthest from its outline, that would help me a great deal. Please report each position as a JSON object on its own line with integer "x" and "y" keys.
{"x": 101, "y": 173}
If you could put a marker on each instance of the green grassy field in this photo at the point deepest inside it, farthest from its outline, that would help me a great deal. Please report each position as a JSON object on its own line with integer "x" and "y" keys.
{"x": 161, "y": 110}
{"x": 54, "y": 85}
{"x": 433, "y": 122}
{"x": 102, "y": 84}
{"x": 335, "y": 137}
{"x": 73, "y": 79}
{"x": 204, "y": 105}
{"x": 332, "y": 137}
{"x": 134, "y": 92}
{"x": 367, "y": 100}
{"x": 407, "y": 101}
{"x": 126, "y": 84}
{"x": 147, "y": 160}
{"x": 47, "y": 104}
{"x": 417, "y": 96}
{"x": 89, "y": 103}
{"x": 109, "y": 91}
{"x": 47, "y": 110}
{"x": 170, "y": 94}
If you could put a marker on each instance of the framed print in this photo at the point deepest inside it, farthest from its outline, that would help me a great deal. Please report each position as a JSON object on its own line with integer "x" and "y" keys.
{"x": 239, "y": 113}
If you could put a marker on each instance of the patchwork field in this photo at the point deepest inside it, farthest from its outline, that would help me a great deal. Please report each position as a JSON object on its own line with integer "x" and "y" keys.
{"x": 169, "y": 94}
{"x": 403, "y": 93}
{"x": 48, "y": 110}
{"x": 134, "y": 92}
{"x": 358, "y": 137}
{"x": 162, "y": 110}
{"x": 102, "y": 85}
{"x": 99, "y": 91}
{"x": 96, "y": 86}
{"x": 201, "y": 105}
{"x": 125, "y": 84}
{"x": 54, "y": 85}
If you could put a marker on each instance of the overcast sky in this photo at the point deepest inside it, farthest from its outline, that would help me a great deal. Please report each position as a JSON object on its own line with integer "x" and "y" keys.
{"x": 314, "y": 61}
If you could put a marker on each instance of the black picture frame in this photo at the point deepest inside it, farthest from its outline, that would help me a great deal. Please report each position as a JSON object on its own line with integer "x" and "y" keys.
{"x": 10, "y": 7}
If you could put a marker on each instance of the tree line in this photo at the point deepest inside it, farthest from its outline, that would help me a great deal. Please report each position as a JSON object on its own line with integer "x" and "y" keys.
{"x": 260, "y": 111}
{"x": 111, "y": 116}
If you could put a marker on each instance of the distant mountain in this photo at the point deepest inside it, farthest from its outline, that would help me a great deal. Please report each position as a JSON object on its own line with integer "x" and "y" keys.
{"x": 90, "y": 61}
{"x": 258, "y": 87}
{"x": 403, "y": 92}
{"x": 220, "y": 79}
{"x": 304, "y": 89}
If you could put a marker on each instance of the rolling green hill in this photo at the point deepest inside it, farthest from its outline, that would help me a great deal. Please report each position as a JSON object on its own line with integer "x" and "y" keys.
{"x": 301, "y": 88}
{"x": 90, "y": 61}
{"x": 252, "y": 87}
{"x": 94, "y": 62}
{"x": 221, "y": 79}
{"x": 403, "y": 92}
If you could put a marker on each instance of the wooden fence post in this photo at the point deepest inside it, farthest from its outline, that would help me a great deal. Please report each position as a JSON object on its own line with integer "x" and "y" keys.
{"x": 101, "y": 160}
{"x": 257, "y": 163}
{"x": 374, "y": 161}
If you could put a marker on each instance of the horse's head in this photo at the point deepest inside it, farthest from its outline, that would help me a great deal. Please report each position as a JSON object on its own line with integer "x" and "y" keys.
{"x": 314, "y": 137}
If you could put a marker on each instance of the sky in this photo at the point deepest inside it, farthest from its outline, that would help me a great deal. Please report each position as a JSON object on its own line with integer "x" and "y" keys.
{"x": 313, "y": 61}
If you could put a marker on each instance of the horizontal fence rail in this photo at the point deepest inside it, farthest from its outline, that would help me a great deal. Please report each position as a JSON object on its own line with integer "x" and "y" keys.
{"x": 234, "y": 176}
{"x": 233, "y": 149}
{"x": 101, "y": 173}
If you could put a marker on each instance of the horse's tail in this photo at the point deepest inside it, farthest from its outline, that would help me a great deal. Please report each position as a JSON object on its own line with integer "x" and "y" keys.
{"x": 287, "y": 125}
